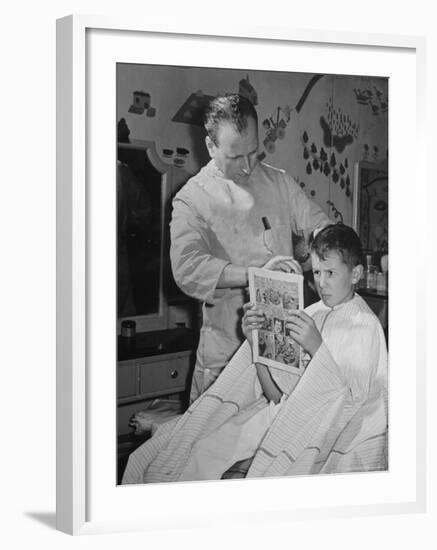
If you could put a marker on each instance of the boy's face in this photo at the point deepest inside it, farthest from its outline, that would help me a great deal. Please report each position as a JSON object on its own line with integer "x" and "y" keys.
{"x": 334, "y": 279}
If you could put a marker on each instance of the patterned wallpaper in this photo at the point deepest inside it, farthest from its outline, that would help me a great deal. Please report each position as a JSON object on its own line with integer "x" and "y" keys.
{"x": 316, "y": 127}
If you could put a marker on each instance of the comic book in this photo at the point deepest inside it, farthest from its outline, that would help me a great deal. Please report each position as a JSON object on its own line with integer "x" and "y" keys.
{"x": 276, "y": 293}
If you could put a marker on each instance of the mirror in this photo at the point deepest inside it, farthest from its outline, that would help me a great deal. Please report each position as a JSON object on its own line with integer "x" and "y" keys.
{"x": 370, "y": 206}
{"x": 141, "y": 204}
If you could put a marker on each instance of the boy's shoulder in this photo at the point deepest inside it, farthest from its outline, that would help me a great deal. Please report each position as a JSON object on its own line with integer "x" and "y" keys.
{"x": 363, "y": 308}
{"x": 356, "y": 311}
{"x": 311, "y": 309}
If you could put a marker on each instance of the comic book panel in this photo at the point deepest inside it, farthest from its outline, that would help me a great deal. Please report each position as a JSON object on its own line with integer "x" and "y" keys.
{"x": 265, "y": 344}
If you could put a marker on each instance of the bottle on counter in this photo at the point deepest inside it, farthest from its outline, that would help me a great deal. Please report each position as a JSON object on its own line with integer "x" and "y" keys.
{"x": 370, "y": 274}
{"x": 127, "y": 333}
{"x": 381, "y": 280}
{"x": 384, "y": 263}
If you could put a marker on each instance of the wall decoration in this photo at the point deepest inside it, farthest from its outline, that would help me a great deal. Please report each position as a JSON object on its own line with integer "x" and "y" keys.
{"x": 317, "y": 160}
{"x": 140, "y": 103}
{"x": 333, "y": 209}
{"x": 340, "y": 142}
{"x": 310, "y": 115}
{"x": 123, "y": 131}
{"x": 368, "y": 156}
{"x": 376, "y": 100}
{"x": 193, "y": 109}
{"x": 246, "y": 89}
{"x": 179, "y": 158}
{"x": 302, "y": 185}
{"x": 275, "y": 127}
{"x": 181, "y": 155}
{"x": 339, "y": 130}
{"x": 182, "y": 152}
{"x": 307, "y": 90}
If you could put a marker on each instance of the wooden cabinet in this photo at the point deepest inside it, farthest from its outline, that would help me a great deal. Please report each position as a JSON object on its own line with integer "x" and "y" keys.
{"x": 153, "y": 364}
{"x": 154, "y": 376}
{"x": 127, "y": 380}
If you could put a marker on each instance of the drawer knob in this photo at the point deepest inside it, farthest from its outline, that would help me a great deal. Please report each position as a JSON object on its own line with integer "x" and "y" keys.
{"x": 174, "y": 374}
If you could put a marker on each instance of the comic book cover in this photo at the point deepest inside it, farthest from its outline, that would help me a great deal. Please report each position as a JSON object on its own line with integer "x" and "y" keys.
{"x": 276, "y": 293}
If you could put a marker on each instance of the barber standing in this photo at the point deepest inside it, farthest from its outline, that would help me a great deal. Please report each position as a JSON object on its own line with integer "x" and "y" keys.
{"x": 235, "y": 213}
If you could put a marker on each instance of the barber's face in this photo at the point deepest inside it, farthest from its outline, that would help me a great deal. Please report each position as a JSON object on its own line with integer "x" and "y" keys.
{"x": 235, "y": 154}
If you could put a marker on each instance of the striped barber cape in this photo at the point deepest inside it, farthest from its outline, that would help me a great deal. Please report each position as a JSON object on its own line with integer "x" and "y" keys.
{"x": 333, "y": 420}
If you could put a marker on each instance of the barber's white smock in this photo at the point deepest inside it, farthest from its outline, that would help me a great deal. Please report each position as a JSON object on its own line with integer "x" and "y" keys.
{"x": 216, "y": 222}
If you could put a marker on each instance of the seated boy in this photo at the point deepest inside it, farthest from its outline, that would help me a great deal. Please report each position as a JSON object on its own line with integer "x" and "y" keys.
{"x": 332, "y": 419}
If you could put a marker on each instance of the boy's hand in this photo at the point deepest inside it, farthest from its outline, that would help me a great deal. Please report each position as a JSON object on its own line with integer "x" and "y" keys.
{"x": 303, "y": 329}
{"x": 137, "y": 425}
{"x": 253, "y": 319}
{"x": 283, "y": 263}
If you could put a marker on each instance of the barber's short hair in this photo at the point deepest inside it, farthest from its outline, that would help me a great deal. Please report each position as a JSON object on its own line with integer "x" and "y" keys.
{"x": 233, "y": 108}
{"x": 339, "y": 238}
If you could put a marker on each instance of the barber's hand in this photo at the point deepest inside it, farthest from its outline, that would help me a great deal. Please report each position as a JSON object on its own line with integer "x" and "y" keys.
{"x": 283, "y": 263}
{"x": 253, "y": 319}
{"x": 303, "y": 330}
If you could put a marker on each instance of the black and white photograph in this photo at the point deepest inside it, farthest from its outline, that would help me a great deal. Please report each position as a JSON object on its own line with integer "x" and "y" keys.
{"x": 220, "y": 171}
{"x": 154, "y": 154}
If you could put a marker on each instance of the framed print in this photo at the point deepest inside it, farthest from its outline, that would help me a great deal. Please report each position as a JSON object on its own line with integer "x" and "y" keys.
{"x": 90, "y": 51}
{"x": 370, "y": 205}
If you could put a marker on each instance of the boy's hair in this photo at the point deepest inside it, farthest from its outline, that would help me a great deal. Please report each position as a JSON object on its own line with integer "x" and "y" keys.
{"x": 232, "y": 108}
{"x": 341, "y": 239}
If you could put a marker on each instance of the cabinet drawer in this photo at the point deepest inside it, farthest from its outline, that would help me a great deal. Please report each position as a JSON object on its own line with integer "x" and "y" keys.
{"x": 166, "y": 376}
{"x": 127, "y": 380}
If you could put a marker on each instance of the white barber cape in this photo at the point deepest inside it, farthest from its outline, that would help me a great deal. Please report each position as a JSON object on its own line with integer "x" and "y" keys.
{"x": 333, "y": 420}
